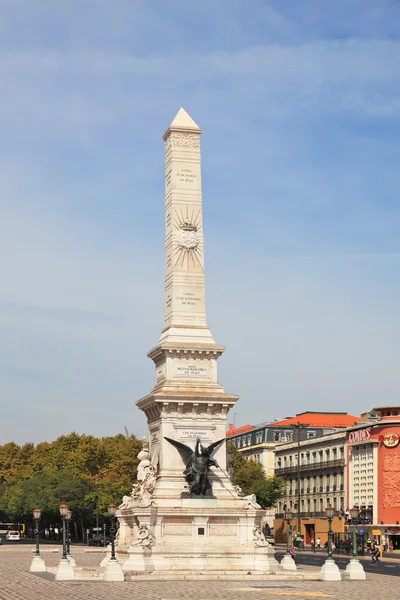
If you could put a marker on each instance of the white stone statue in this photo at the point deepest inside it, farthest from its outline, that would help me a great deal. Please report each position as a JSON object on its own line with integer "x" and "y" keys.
{"x": 142, "y": 491}
{"x": 259, "y": 539}
{"x": 144, "y": 538}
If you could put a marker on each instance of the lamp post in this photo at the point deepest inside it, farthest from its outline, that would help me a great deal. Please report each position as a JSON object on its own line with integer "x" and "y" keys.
{"x": 113, "y": 571}
{"x": 354, "y": 512}
{"x": 298, "y": 426}
{"x": 288, "y": 518}
{"x": 64, "y": 512}
{"x": 112, "y": 509}
{"x": 330, "y": 570}
{"x": 68, "y": 519}
{"x": 36, "y": 515}
{"x": 65, "y": 569}
{"x": 37, "y": 564}
{"x": 354, "y": 569}
{"x": 330, "y": 513}
{"x": 287, "y": 562}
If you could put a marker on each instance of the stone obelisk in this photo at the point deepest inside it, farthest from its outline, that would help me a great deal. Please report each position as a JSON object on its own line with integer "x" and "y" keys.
{"x": 162, "y": 527}
{"x": 187, "y": 399}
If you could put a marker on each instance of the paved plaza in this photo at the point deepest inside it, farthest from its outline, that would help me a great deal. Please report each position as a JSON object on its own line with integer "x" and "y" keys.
{"x": 18, "y": 584}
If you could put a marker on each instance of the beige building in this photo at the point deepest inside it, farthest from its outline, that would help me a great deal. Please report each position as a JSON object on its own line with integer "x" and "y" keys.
{"x": 315, "y": 475}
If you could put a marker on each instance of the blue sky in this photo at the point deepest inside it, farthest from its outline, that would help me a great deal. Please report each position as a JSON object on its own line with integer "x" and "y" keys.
{"x": 300, "y": 107}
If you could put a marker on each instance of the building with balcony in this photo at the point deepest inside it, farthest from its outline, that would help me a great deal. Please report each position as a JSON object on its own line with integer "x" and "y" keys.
{"x": 357, "y": 466}
{"x": 315, "y": 474}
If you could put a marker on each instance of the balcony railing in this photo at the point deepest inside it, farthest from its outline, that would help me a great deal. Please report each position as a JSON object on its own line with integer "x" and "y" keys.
{"x": 306, "y": 515}
{"x": 317, "y": 466}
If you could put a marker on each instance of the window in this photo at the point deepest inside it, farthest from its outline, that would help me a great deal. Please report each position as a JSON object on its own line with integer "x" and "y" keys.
{"x": 249, "y": 439}
{"x": 238, "y": 443}
{"x": 277, "y": 436}
{"x": 311, "y": 435}
{"x": 289, "y": 435}
{"x": 259, "y": 437}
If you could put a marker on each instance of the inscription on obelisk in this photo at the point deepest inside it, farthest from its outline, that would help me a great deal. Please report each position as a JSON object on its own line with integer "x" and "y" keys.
{"x": 184, "y": 278}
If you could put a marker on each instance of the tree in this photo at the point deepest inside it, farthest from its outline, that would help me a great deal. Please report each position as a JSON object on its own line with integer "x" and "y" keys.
{"x": 48, "y": 490}
{"x": 251, "y": 477}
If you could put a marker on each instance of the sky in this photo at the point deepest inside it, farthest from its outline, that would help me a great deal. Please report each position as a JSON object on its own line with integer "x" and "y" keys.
{"x": 299, "y": 103}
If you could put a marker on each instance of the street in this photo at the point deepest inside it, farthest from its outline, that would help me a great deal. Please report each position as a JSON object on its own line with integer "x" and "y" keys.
{"x": 388, "y": 566}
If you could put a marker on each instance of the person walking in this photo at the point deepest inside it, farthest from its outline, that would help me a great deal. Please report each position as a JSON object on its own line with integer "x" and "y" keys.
{"x": 374, "y": 550}
{"x": 318, "y": 543}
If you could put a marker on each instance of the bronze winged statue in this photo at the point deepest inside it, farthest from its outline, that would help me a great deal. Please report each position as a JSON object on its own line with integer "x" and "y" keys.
{"x": 197, "y": 463}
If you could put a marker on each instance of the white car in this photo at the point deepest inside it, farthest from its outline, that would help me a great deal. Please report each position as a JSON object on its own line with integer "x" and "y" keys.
{"x": 13, "y": 536}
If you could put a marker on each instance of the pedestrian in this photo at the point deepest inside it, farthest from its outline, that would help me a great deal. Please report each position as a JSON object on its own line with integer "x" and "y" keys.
{"x": 374, "y": 550}
{"x": 318, "y": 543}
{"x": 292, "y": 553}
{"x": 312, "y": 543}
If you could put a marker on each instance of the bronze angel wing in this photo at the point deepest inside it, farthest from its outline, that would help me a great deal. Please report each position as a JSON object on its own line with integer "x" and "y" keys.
{"x": 212, "y": 447}
{"x": 185, "y": 452}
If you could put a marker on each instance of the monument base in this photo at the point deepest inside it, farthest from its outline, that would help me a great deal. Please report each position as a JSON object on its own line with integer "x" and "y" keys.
{"x": 195, "y": 535}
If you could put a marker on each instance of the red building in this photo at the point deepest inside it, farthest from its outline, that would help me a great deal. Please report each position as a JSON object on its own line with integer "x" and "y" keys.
{"x": 373, "y": 474}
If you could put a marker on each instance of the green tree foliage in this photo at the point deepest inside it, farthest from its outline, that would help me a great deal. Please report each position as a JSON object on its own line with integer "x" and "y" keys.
{"x": 251, "y": 477}
{"x": 85, "y": 472}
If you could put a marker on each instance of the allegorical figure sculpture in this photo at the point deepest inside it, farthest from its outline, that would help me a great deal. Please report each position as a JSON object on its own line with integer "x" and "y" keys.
{"x": 197, "y": 463}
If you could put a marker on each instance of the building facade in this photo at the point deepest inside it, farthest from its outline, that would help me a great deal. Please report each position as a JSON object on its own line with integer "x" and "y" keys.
{"x": 358, "y": 466}
{"x": 315, "y": 474}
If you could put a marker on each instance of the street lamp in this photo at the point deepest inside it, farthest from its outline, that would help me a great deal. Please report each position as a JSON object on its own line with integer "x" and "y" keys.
{"x": 68, "y": 519}
{"x": 37, "y": 564}
{"x": 36, "y": 515}
{"x": 298, "y": 426}
{"x": 330, "y": 513}
{"x": 354, "y": 512}
{"x": 112, "y": 509}
{"x": 330, "y": 570}
{"x": 287, "y": 562}
{"x": 64, "y": 512}
{"x": 113, "y": 570}
{"x": 354, "y": 569}
{"x": 288, "y": 518}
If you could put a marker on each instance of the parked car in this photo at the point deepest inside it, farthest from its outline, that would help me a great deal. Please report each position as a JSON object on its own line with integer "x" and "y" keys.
{"x": 98, "y": 540}
{"x": 13, "y": 536}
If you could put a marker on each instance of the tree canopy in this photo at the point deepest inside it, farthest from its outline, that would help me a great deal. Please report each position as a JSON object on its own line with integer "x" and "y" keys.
{"x": 251, "y": 477}
{"x": 84, "y": 471}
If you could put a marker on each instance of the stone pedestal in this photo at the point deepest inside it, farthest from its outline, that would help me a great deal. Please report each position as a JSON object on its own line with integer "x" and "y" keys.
{"x": 113, "y": 571}
{"x": 194, "y": 535}
{"x": 354, "y": 570}
{"x": 37, "y": 565}
{"x": 330, "y": 571}
{"x": 288, "y": 564}
{"x": 65, "y": 571}
{"x": 71, "y": 560}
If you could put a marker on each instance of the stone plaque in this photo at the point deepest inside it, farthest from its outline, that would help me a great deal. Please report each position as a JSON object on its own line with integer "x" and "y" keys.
{"x": 191, "y": 370}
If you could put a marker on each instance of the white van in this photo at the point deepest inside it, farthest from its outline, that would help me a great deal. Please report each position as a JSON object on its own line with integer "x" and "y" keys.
{"x": 13, "y": 536}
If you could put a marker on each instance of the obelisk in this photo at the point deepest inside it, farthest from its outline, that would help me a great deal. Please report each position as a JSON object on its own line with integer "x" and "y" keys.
{"x": 163, "y": 527}
{"x": 187, "y": 399}
{"x": 185, "y": 316}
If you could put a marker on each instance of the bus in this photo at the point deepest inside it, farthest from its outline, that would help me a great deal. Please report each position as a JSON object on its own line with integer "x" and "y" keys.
{"x": 6, "y": 527}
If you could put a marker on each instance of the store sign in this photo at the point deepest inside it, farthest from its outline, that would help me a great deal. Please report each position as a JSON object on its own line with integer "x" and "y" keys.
{"x": 391, "y": 440}
{"x": 359, "y": 436}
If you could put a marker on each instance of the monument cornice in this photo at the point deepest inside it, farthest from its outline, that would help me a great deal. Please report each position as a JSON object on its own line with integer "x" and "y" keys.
{"x": 185, "y": 349}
